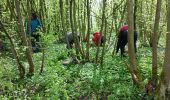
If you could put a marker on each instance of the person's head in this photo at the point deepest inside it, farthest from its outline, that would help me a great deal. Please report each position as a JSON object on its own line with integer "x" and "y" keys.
{"x": 33, "y": 15}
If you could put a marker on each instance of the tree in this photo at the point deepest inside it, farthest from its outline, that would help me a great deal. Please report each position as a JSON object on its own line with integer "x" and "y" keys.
{"x": 73, "y": 24}
{"x": 165, "y": 75}
{"x": 75, "y": 33}
{"x": 155, "y": 42}
{"x": 104, "y": 33}
{"x": 62, "y": 19}
{"x": 135, "y": 11}
{"x": 101, "y": 29}
{"x": 88, "y": 29}
{"x": 1, "y": 36}
{"x": 131, "y": 50}
{"x": 24, "y": 39}
{"x": 21, "y": 68}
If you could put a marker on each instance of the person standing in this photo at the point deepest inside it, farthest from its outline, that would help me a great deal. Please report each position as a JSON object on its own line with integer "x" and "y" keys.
{"x": 35, "y": 26}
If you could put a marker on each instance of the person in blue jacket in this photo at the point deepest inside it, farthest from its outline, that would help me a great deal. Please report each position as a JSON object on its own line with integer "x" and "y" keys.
{"x": 35, "y": 25}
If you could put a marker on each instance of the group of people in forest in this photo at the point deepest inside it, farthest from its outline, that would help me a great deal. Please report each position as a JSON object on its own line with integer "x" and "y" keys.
{"x": 99, "y": 39}
{"x": 96, "y": 39}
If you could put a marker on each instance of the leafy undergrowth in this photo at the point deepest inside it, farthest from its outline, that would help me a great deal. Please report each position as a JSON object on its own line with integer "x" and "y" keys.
{"x": 77, "y": 81}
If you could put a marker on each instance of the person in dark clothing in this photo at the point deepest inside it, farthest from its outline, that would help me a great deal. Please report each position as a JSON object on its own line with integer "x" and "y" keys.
{"x": 70, "y": 40}
{"x": 35, "y": 25}
{"x": 122, "y": 39}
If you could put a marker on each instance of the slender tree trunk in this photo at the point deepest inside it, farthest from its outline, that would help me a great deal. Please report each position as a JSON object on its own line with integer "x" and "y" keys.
{"x": 103, "y": 50}
{"x": 29, "y": 24}
{"x": 20, "y": 66}
{"x": 119, "y": 24}
{"x": 101, "y": 30}
{"x": 40, "y": 10}
{"x": 135, "y": 11}
{"x": 154, "y": 43}
{"x": 79, "y": 18}
{"x": 1, "y": 36}
{"x": 23, "y": 9}
{"x": 80, "y": 25}
{"x": 74, "y": 27}
{"x": 131, "y": 50}
{"x": 43, "y": 14}
{"x": 84, "y": 21}
{"x": 71, "y": 17}
{"x": 62, "y": 19}
{"x": 43, "y": 60}
{"x": 24, "y": 39}
{"x": 88, "y": 29}
{"x": 10, "y": 6}
{"x": 67, "y": 15}
{"x": 112, "y": 23}
{"x": 122, "y": 12}
{"x": 45, "y": 9}
{"x": 61, "y": 16}
{"x": 165, "y": 75}
{"x": 150, "y": 33}
{"x": 78, "y": 48}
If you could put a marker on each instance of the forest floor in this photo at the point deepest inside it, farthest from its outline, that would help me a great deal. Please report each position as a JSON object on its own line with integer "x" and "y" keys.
{"x": 75, "y": 81}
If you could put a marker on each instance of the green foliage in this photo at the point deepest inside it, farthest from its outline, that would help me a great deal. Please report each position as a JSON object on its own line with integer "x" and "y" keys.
{"x": 80, "y": 81}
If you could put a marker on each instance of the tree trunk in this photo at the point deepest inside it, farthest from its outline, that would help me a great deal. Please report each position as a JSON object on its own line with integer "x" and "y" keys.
{"x": 10, "y": 6}
{"x": 88, "y": 30}
{"x": 165, "y": 75}
{"x": 84, "y": 21}
{"x": 24, "y": 39}
{"x": 20, "y": 66}
{"x": 41, "y": 14}
{"x": 72, "y": 25}
{"x": 74, "y": 29}
{"x": 150, "y": 33}
{"x": 103, "y": 50}
{"x": 131, "y": 50}
{"x": 75, "y": 25}
{"x": 101, "y": 30}
{"x": 1, "y": 41}
{"x": 43, "y": 60}
{"x": 154, "y": 43}
{"x": 62, "y": 19}
{"x": 80, "y": 21}
{"x": 61, "y": 16}
{"x": 119, "y": 24}
{"x": 71, "y": 17}
{"x": 135, "y": 11}
{"x": 67, "y": 15}
{"x": 23, "y": 8}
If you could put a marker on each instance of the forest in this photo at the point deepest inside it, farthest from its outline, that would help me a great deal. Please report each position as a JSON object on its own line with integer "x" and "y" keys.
{"x": 85, "y": 49}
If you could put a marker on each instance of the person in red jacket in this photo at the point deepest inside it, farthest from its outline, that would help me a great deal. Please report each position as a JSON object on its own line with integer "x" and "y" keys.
{"x": 122, "y": 39}
{"x": 95, "y": 39}
{"x": 98, "y": 38}
{"x": 123, "y": 28}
